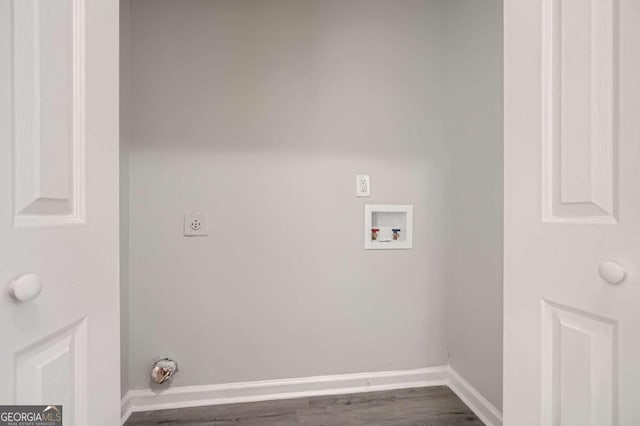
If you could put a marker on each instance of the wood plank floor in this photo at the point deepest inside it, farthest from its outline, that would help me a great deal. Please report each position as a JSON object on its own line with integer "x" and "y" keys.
{"x": 432, "y": 406}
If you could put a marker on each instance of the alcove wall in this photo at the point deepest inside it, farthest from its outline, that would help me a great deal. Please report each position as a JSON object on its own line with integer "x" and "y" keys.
{"x": 261, "y": 114}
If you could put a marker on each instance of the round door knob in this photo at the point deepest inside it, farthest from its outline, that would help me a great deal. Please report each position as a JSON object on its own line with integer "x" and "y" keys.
{"x": 612, "y": 272}
{"x": 25, "y": 288}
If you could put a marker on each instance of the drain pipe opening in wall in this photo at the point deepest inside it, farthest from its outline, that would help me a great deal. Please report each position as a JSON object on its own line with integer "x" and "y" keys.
{"x": 163, "y": 370}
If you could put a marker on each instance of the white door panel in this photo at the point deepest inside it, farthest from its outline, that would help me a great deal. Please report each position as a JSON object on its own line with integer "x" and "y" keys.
{"x": 572, "y": 203}
{"x": 578, "y": 367}
{"x": 578, "y": 110}
{"x": 59, "y": 205}
{"x": 49, "y": 60}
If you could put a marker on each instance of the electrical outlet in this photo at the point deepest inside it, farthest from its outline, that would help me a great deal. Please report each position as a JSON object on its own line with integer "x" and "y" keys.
{"x": 363, "y": 186}
{"x": 195, "y": 224}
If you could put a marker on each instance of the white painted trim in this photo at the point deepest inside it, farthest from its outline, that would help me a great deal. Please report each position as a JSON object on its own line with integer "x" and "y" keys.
{"x": 482, "y": 408}
{"x": 265, "y": 390}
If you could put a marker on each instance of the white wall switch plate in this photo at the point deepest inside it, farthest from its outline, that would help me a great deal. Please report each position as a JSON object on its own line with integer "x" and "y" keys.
{"x": 363, "y": 186}
{"x": 195, "y": 224}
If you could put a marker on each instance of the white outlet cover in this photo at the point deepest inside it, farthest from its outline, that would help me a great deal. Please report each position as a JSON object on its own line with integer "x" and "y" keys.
{"x": 363, "y": 186}
{"x": 195, "y": 225}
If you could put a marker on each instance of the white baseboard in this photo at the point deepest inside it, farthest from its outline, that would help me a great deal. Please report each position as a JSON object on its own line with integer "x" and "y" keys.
{"x": 193, "y": 396}
{"x": 482, "y": 408}
{"x": 265, "y": 390}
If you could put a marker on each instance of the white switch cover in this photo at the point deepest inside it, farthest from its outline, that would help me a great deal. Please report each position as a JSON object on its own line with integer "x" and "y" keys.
{"x": 195, "y": 224}
{"x": 363, "y": 186}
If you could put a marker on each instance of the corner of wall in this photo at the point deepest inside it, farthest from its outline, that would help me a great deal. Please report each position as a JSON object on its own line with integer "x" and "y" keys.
{"x": 124, "y": 195}
{"x": 475, "y": 230}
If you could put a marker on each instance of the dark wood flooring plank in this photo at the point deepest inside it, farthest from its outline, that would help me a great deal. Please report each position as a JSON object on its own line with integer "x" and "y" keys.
{"x": 432, "y": 406}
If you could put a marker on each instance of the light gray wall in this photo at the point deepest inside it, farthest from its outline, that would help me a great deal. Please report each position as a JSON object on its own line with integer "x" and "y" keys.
{"x": 125, "y": 112}
{"x": 261, "y": 113}
{"x": 475, "y": 299}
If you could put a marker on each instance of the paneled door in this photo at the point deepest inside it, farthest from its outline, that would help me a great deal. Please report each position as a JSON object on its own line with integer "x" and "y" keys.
{"x": 59, "y": 309}
{"x": 572, "y": 213}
